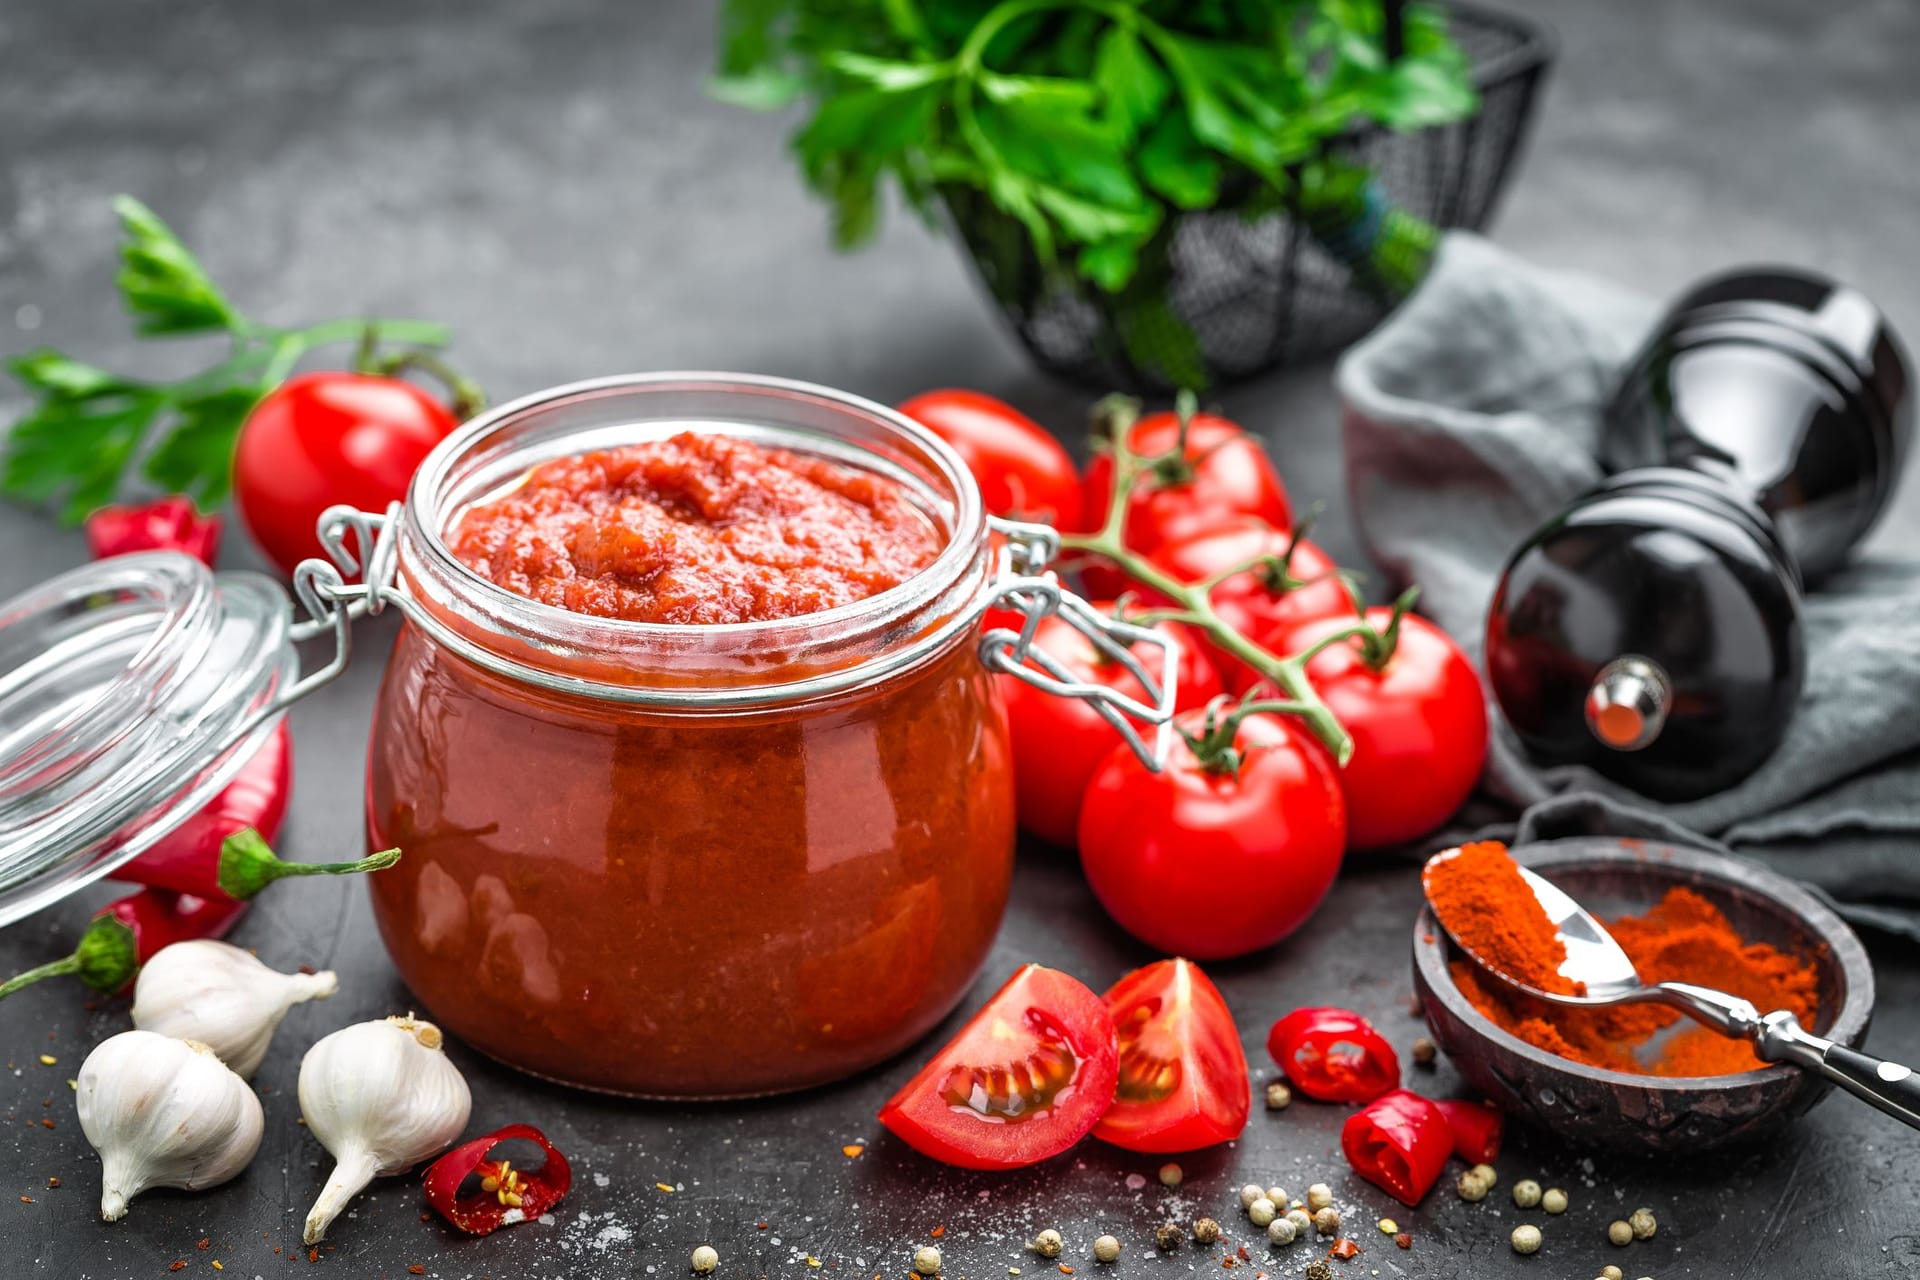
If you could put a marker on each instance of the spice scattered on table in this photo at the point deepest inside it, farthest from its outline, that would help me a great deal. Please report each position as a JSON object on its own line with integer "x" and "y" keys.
{"x": 853, "y": 1151}
{"x": 1404, "y": 1239}
{"x": 1327, "y": 1221}
{"x": 1471, "y": 1186}
{"x": 1388, "y": 1227}
{"x": 1169, "y": 1235}
{"x": 1554, "y": 1200}
{"x": 1261, "y": 1212}
{"x": 1425, "y": 1052}
{"x": 1047, "y": 1244}
{"x": 1526, "y": 1238}
{"x": 1526, "y": 1193}
{"x": 1319, "y": 1269}
{"x": 1611, "y": 1272}
{"x": 1106, "y": 1249}
{"x": 1319, "y": 1196}
{"x": 1251, "y": 1192}
{"x": 1282, "y": 1231}
{"x": 48, "y": 1060}
{"x": 1643, "y": 1223}
{"x": 1619, "y": 1233}
{"x": 1170, "y": 1175}
{"x": 1279, "y": 1097}
{"x": 1302, "y": 1220}
{"x": 1206, "y": 1231}
{"x": 1344, "y": 1250}
{"x": 926, "y": 1260}
{"x": 705, "y": 1259}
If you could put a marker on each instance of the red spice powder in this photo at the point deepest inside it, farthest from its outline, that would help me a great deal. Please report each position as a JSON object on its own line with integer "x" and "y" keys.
{"x": 1480, "y": 897}
{"x": 1682, "y": 938}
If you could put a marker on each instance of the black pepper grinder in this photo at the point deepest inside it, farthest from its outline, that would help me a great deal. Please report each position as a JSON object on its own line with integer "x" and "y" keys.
{"x": 1652, "y": 629}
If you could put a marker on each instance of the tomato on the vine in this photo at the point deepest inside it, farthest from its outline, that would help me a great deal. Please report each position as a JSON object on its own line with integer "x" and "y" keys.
{"x": 1296, "y": 583}
{"x": 1022, "y": 471}
{"x": 324, "y": 438}
{"x": 1025, "y": 1079}
{"x": 1183, "y": 1074}
{"x": 1418, "y": 721}
{"x": 1228, "y": 849}
{"x": 1221, "y": 475}
{"x": 1058, "y": 743}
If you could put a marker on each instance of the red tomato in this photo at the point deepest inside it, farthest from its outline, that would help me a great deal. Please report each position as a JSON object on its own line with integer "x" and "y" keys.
{"x": 1222, "y": 474}
{"x": 1183, "y": 1074}
{"x": 1022, "y": 471}
{"x": 1257, "y": 602}
{"x": 1025, "y": 1079}
{"x": 1334, "y": 1055}
{"x": 1058, "y": 743}
{"x": 1419, "y": 726}
{"x": 323, "y": 438}
{"x": 1215, "y": 864}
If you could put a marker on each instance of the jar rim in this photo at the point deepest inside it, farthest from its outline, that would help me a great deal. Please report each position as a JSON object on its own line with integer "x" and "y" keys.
{"x": 938, "y": 480}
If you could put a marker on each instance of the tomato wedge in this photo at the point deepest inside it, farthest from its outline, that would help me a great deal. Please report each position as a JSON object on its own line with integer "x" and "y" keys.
{"x": 1183, "y": 1074}
{"x": 1024, "y": 1080}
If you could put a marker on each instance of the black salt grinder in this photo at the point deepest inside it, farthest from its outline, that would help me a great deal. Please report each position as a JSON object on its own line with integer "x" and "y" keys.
{"x": 1652, "y": 629}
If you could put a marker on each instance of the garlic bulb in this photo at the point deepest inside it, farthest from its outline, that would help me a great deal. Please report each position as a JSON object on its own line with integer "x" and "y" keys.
{"x": 381, "y": 1097}
{"x": 221, "y": 996}
{"x": 163, "y": 1113}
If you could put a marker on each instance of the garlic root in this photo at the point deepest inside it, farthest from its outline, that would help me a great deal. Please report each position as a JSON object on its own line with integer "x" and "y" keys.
{"x": 223, "y": 997}
{"x": 381, "y": 1097}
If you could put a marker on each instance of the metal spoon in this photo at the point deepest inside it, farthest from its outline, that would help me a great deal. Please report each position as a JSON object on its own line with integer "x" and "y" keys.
{"x": 1596, "y": 961}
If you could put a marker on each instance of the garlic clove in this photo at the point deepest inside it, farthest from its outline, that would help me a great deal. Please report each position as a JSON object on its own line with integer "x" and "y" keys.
{"x": 163, "y": 1113}
{"x": 381, "y": 1097}
{"x": 222, "y": 996}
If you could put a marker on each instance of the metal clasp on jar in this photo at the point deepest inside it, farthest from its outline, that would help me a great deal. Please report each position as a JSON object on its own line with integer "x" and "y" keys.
{"x": 1021, "y": 580}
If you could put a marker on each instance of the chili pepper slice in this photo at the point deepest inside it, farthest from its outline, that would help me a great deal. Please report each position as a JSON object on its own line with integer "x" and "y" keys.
{"x": 1334, "y": 1055}
{"x": 501, "y": 1194}
{"x": 1476, "y": 1129}
{"x": 127, "y": 932}
{"x": 1399, "y": 1142}
{"x": 171, "y": 524}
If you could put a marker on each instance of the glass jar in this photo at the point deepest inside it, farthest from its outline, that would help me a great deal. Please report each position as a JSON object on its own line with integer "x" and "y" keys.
{"x": 677, "y": 861}
{"x": 690, "y": 860}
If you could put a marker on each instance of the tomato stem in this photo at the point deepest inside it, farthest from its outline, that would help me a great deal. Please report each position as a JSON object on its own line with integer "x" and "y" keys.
{"x": 1193, "y": 602}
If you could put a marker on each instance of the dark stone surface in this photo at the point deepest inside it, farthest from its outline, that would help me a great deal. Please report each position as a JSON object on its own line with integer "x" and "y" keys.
{"x": 549, "y": 178}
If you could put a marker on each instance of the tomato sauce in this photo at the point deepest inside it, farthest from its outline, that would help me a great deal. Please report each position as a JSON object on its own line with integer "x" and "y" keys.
{"x": 697, "y": 529}
{"x": 677, "y": 902}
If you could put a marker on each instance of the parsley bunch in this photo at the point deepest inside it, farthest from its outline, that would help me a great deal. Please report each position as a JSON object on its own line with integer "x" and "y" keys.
{"x": 88, "y": 428}
{"x": 1091, "y": 123}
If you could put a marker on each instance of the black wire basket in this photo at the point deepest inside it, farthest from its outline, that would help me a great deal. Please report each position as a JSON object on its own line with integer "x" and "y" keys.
{"x": 1246, "y": 283}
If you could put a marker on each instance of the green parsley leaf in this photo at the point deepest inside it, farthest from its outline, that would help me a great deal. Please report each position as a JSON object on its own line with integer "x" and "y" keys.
{"x": 1177, "y": 166}
{"x": 163, "y": 285}
{"x": 196, "y": 458}
{"x": 1131, "y": 83}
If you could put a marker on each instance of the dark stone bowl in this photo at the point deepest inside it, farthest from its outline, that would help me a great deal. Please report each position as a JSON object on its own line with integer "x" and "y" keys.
{"x": 1613, "y": 1109}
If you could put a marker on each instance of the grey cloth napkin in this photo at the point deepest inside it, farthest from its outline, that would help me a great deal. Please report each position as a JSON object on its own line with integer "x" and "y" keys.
{"x": 1470, "y": 417}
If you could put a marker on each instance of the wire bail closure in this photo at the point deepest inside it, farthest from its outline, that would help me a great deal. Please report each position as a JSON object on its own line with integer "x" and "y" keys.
{"x": 1021, "y": 579}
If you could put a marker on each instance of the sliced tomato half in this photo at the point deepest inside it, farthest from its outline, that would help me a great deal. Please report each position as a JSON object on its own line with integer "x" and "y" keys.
{"x": 1183, "y": 1075}
{"x": 1024, "y": 1080}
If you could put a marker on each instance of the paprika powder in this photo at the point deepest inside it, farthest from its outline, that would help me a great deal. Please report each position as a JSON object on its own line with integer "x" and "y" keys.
{"x": 1681, "y": 938}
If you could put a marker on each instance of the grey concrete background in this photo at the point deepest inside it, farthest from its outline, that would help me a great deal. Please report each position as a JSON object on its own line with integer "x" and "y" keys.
{"x": 548, "y": 178}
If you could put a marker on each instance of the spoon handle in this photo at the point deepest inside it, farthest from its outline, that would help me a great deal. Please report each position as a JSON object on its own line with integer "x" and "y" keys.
{"x": 1779, "y": 1037}
{"x": 1891, "y": 1087}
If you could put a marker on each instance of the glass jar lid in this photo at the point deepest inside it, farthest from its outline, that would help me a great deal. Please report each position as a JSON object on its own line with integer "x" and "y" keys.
{"x": 131, "y": 691}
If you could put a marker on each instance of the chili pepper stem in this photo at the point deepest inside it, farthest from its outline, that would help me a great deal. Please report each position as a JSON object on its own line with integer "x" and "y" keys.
{"x": 1195, "y": 607}
{"x": 105, "y": 960}
{"x": 248, "y": 865}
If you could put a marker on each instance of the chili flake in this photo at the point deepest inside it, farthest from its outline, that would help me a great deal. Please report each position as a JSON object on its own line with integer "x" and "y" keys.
{"x": 313, "y": 1255}
{"x": 938, "y": 1231}
{"x": 661, "y": 1186}
{"x": 180, "y": 1265}
{"x": 204, "y": 1242}
{"x": 53, "y": 1182}
{"x": 1065, "y": 1270}
{"x": 853, "y": 1151}
{"x": 46, "y": 1124}
{"x": 217, "y": 1266}
{"x": 48, "y": 1060}
{"x": 416, "y": 1270}
{"x": 1344, "y": 1249}
{"x": 1404, "y": 1240}
{"x": 26, "y": 1199}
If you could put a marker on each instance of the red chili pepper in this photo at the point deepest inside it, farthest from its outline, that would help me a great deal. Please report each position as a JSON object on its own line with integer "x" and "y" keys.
{"x": 1476, "y": 1129}
{"x": 1399, "y": 1142}
{"x": 1334, "y": 1055}
{"x": 171, "y": 524}
{"x": 500, "y": 1194}
{"x": 126, "y": 933}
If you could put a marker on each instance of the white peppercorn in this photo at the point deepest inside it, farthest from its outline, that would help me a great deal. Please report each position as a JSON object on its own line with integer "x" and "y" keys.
{"x": 1261, "y": 1212}
{"x": 705, "y": 1259}
{"x": 1526, "y": 1193}
{"x": 1048, "y": 1243}
{"x": 1553, "y": 1200}
{"x": 1170, "y": 1175}
{"x": 1526, "y": 1238}
{"x": 1106, "y": 1249}
{"x": 1643, "y": 1223}
{"x": 1250, "y": 1193}
{"x": 1619, "y": 1233}
{"x": 1319, "y": 1196}
{"x": 1327, "y": 1221}
{"x": 926, "y": 1260}
{"x": 1282, "y": 1231}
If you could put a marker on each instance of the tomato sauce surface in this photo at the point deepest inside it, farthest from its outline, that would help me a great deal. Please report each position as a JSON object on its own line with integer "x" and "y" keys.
{"x": 697, "y": 529}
